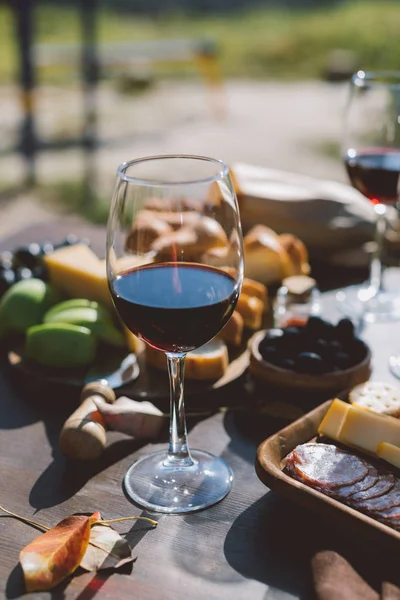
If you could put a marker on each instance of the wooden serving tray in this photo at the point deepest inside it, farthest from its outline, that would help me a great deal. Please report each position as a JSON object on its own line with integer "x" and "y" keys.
{"x": 270, "y": 463}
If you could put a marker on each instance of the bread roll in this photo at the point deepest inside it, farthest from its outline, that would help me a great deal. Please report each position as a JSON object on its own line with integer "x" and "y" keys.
{"x": 232, "y": 333}
{"x": 251, "y": 309}
{"x": 297, "y": 252}
{"x": 175, "y": 220}
{"x": 189, "y": 243}
{"x": 255, "y": 288}
{"x": 265, "y": 258}
{"x": 145, "y": 230}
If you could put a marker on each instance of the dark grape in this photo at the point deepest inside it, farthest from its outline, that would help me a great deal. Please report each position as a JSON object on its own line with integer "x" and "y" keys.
{"x": 23, "y": 273}
{"x": 47, "y": 248}
{"x": 27, "y": 256}
{"x": 287, "y": 363}
{"x": 7, "y": 279}
{"x": 6, "y": 259}
{"x": 41, "y": 272}
{"x": 269, "y": 354}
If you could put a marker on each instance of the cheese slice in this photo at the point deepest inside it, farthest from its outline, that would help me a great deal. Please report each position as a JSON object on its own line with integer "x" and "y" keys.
{"x": 390, "y": 453}
{"x": 366, "y": 430}
{"x": 208, "y": 362}
{"x": 78, "y": 272}
{"x": 331, "y": 424}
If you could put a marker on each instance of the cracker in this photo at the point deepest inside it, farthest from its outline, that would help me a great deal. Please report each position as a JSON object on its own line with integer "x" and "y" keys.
{"x": 377, "y": 396}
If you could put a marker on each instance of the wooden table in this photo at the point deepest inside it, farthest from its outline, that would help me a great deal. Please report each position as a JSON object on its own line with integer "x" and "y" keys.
{"x": 253, "y": 545}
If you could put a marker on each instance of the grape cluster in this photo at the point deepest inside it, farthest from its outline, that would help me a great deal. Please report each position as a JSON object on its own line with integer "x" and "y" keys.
{"x": 316, "y": 348}
{"x": 26, "y": 262}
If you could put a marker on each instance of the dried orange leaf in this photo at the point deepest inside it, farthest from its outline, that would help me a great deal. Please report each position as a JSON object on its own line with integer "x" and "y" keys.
{"x": 106, "y": 550}
{"x": 54, "y": 555}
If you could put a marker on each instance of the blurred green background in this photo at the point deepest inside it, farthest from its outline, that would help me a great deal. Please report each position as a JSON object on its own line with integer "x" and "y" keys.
{"x": 268, "y": 42}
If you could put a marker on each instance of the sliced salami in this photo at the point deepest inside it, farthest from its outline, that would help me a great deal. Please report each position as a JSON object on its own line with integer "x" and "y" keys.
{"x": 326, "y": 467}
{"x": 381, "y": 504}
{"x": 347, "y": 492}
{"x": 382, "y": 486}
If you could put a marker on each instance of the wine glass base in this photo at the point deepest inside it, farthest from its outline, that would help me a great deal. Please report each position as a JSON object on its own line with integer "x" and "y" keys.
{"x": 358, "y": 302}
{"x": 159, "y": 486}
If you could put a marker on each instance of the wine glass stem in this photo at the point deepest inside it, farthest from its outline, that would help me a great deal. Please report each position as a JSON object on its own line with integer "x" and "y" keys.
{"x": 178, "y": 450}
{"x": 375, "y": 280}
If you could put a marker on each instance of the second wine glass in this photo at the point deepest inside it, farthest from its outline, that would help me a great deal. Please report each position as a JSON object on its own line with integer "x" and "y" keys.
{"x": 175, "y": 269}
{"x": 371, "y": 153}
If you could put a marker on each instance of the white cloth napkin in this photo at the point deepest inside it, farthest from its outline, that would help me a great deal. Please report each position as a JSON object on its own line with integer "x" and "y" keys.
{"x": 328, "y": 216}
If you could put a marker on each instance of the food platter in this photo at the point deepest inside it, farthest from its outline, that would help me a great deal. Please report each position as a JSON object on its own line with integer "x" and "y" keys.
{"x": 270, "y": 463}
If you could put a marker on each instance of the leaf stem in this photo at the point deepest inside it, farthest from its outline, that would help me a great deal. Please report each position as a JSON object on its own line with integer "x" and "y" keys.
{"x": 25, "y": 519}
{"x": 108, "y": 521}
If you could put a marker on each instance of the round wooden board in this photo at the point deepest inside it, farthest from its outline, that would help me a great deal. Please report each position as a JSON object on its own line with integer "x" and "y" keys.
{"x": 141, "y": 382}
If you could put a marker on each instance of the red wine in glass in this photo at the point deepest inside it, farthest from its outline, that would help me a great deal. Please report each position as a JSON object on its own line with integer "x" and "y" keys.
{"x": 174, "y": 307}
{"x": 375, "y": 173}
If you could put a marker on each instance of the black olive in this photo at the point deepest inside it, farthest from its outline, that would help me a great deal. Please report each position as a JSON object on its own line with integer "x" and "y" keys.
{"x": 311, "y": 363}
{"x": 357, "y": 351}
{"x": 345, "y": 330}
{"x": 341, "y": 360}
{"x": 335, "y": 346}
{"x": 287, "y": 363}
{"x": 269, "y": 354}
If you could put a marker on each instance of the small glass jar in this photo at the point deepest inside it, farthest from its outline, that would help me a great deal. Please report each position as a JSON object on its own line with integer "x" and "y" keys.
{"x": 296, "y": 300}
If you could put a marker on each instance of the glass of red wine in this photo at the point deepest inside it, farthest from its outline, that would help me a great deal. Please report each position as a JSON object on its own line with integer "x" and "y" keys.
{"x": 371, "y": 153}
{"x": 172, "y": 219}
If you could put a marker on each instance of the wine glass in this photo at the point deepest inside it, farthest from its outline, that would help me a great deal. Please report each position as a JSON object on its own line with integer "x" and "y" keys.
{"x": 171, "y": 219}
{"x": 371, "y": 153}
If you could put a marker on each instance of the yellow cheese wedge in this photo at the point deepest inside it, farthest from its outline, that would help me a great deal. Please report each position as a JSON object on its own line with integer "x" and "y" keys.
{"x": 390, "y": 453}
{"x": 366, "y": 430}
{"x": 208, "y": 362}
{"x": 78, "y": 272}
{"x": 332, "y": 423}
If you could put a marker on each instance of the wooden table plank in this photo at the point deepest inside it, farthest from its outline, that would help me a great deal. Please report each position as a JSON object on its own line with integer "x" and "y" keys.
{"x": 251, "y": 545}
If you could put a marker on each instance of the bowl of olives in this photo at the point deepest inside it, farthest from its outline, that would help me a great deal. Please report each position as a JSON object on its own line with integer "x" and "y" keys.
{"x": 317, "y": 357}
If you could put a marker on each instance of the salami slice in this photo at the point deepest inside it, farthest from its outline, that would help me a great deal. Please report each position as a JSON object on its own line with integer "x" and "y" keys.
{"x": 382, "y": 486}
{"x": 381, "y": 504}
{"x": 326, "y": 467}
{"x": 347, "y": 492}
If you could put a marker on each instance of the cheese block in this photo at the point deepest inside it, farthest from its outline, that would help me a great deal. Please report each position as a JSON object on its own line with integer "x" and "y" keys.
{"x": 78, "y": 272}
{"x": 232, "y": 333}
{"x": 331, "y": 424}
{"x": 390, "y": 453}
{"x": 208, "y": 362}
{"x": 251, "y": 309}
{"x": 366, "y": 430}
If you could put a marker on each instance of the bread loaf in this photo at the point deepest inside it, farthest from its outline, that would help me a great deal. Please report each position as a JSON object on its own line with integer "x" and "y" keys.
{"x": 251, "y": 309}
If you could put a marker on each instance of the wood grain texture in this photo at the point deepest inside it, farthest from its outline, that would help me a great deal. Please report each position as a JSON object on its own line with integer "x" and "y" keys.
{"x": 253, "y": 545}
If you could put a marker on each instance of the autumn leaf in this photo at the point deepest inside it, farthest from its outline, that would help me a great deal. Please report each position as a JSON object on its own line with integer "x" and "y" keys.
{"x": 106, "y": 550}
{"x": 54, "y": 555}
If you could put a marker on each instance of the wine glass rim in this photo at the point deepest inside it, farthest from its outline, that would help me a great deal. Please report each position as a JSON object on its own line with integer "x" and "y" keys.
{"x": 121, "y": 170}
{"x": 376, "y": 78}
